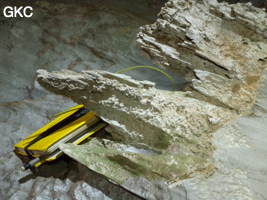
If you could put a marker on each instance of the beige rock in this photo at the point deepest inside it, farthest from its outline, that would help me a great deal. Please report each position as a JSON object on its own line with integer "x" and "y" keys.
{"x": 174, "y": 128}
{"x": 221, "y": 48}
{"x": 165, "y": 136}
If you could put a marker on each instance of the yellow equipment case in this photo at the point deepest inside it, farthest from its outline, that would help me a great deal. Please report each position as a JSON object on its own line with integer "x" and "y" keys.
{"x": 72, "y": 126}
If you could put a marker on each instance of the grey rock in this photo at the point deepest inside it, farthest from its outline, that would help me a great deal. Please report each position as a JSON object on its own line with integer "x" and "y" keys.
{"x": 74, "y": 35}
{"x": 221, "y": 78}
{"x": 51, "y": 41}
{"x": 77, "y": 36}
{"x": 239, "y": 158}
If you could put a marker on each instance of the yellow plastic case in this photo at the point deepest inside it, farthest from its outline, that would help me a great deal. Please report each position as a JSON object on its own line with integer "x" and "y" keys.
{"x": 74, "y": 132}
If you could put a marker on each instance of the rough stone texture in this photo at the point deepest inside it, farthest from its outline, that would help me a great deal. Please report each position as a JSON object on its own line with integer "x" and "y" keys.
{"x": 95, "y": 34}
{"x": 221, "y": 49}
{"x": 77, "y": 35}
{"x": 62, "y": 179}
{"x": 156, "y": 134}
{"x": 256, "y": 3}
{"x": 240, "y": 155}
{"x": 240, "y": 158}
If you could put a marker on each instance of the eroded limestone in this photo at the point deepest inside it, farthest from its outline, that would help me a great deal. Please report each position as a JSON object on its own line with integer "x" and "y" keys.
{"x": 140, "y": 117}
{"x": 221, "y": 48}
{"x": 167, "y": 136}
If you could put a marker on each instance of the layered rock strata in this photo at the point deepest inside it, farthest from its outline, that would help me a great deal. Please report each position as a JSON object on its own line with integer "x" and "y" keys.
{"x": 220, "y": 48}
{"x": 151, "y": 130}
{"x": 74, "y": 35}
{"x": 167, "y": 136}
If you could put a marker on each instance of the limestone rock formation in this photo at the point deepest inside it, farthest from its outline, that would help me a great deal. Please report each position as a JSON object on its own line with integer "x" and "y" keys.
{"x": 151, "y": 130}
{"x": 220, "y": 48}
{"x": 167, "y": 136}
{"x": 72, "y": 35}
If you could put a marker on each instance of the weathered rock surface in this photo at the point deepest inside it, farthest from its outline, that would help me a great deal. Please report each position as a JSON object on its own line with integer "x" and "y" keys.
{"x": 62, "y": 179}
{"x": 72, "y": 35}
{"x": 165, "y": 137}
{"x": 220, "y": 48}
{"x": 256, "y": 3}
{"x": 239, "y": 159}
{"x": 101, "y": 36}
{"x": 152, "y": 130}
